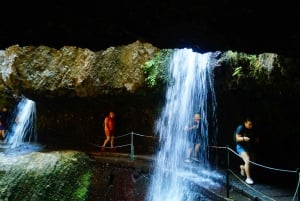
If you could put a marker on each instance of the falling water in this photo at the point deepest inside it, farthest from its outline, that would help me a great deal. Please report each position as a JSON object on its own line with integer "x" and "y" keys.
{"x": 22, "y": 128}
{"x": 191, "y": 91}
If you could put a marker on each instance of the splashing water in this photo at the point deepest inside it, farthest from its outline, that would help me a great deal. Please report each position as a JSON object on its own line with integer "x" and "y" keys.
{"x": 191, "y": 92}
{"x": 23, "y": 127}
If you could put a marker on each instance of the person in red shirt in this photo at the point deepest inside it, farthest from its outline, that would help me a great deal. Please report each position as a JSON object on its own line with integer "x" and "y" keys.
{"x": 109, "y": 130}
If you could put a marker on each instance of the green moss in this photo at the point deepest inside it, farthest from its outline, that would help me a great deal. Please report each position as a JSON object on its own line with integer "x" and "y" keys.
{"x": 84, "y": 181}
{"x": 65, "y": 179}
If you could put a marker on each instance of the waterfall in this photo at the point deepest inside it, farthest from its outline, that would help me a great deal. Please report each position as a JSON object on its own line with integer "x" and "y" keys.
{"x": 22, "y": 127}
{"x": 190, "y": 91}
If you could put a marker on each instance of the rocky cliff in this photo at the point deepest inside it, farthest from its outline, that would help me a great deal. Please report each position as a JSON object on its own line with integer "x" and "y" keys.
{"x": 71, "y": 71}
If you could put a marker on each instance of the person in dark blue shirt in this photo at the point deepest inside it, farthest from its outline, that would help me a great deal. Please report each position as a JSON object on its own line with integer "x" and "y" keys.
{"x": 244, "y": 140}
{"x": 194, "y": 135}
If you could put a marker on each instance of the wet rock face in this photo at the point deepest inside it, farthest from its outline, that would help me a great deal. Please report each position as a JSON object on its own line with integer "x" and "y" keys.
{"x": 51, "y": 175}
{"x": 72, "y": 71}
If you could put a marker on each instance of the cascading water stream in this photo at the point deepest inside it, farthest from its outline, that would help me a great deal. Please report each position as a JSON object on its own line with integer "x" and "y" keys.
{"x": 191, "y": 91}
{"x": 22, "y": 128}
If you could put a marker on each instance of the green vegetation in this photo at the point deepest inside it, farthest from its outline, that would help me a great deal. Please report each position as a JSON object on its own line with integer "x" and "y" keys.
{"x": 248, "y": 67}
{"x": 84, "y": 182}
{"x": 156, "y": 69}
{"x": 53, "y": 176}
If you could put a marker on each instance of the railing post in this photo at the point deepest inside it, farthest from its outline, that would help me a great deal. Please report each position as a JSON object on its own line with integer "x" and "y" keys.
{"x": 298, "y": 172}
{"x": 131, "y": 147}
{"x": 227, "y": 173}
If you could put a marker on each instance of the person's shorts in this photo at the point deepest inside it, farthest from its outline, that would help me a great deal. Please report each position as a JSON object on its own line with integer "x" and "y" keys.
{"x": 239, "y": 149}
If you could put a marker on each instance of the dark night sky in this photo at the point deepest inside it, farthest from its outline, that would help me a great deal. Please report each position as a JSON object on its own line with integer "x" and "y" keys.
{"x": 205, "y": 25}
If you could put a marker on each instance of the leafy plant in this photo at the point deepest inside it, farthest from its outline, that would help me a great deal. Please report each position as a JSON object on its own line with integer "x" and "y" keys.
{"x": 248, "y": 67}
{"x": 238, "y": 72}
{"x": 156, "y": 69}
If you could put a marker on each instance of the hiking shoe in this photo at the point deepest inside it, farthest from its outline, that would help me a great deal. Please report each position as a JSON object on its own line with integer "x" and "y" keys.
{"x": 242, "y": 170}
{"x": 249, "y": 181}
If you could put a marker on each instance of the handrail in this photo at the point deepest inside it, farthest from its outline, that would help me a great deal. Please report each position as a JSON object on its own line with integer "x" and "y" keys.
{"x": 131, "y": 155}
{"x": 271, "y": 168}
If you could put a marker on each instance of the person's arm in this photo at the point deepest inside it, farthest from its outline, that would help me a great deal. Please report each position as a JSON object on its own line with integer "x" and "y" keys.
{"x": 186, "y": 128}
{"x": 190, "y": 127}
{"x": 241, "y": 138}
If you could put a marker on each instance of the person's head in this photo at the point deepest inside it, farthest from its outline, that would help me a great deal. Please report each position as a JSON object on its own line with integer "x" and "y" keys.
{"x": 112, "y": 114}
{"x": 197, "y": 117}
{"x": 248, "y": 123}
{"x": 4, "y": 108}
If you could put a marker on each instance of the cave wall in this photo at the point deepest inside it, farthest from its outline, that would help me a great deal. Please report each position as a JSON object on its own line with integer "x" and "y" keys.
{"x": 75, "y": 88}
{"x": 271, "y": 99}
{"x": 78, "y": 122}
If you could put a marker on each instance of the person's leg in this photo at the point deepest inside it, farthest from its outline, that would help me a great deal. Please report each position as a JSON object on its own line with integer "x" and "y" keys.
{"x": 188, "y": 154}
{"x": 240, "y": 150}
{"x": 196, "y": 151}
{"x": 2, "y": 134}
{"x": 112, "y": 139}
{"x": 246, "y": 166}
{"x": 107, "y": 139}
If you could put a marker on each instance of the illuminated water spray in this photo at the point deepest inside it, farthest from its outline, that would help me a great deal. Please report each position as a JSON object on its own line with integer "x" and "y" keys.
{"x": 190, "y": 91}
{"x": 23, "y": 124}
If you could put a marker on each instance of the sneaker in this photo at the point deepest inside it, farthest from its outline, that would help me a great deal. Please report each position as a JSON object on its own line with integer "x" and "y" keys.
{"x": 242, "y": 171}
{"x": 187, "y": 161}
{"x": 249, "y": 181}
{"x": 102, "y": 149}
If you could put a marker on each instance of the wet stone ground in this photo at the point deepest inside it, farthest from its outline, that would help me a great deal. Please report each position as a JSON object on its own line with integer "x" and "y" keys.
{"x": 30, "y": 174}
{"x": 117, "y": 177}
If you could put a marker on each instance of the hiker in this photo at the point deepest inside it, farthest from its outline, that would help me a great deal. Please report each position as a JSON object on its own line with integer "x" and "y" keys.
{"x": 4, "y": 119}
{"x": 109, "y": 130}
{"x": 194, "y": 132}
{"x": 244, "y": 140}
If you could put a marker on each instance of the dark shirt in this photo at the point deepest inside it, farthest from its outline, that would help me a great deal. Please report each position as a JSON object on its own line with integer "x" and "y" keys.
{"x": 244, "y": 132}
{"x": 195, "y": 132}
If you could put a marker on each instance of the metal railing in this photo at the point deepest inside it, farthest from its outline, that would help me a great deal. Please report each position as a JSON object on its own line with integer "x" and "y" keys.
{"x": 131, "y": 144}
{"x": 228, "y": 170}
